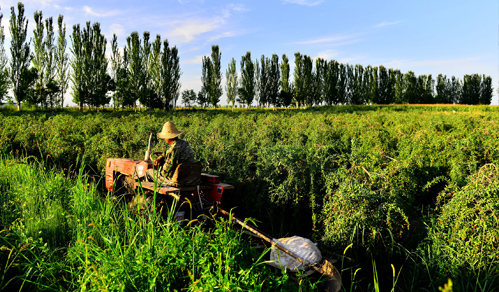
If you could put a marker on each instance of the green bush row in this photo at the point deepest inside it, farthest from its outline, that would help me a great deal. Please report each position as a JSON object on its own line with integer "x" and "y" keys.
{"x": 375, "y": 177}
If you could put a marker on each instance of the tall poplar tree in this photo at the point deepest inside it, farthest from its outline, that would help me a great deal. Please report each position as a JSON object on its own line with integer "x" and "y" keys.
{"x": 155, "y": 75}
{"x": 247, "y": 89}
{"x": 274, "y": 78}
{"x": 263, "y": 81}
{"x": 115, "y": 65}
{"x": 135, "y": 61}
{"x": 486, "y": 90}
{"x": 320, "y": 71}
{"x": 206, "y": 72}
{"x": 216, "y": 78}
{"x": 20, "y": 76}
{"x": 410, "y": 92}
{"x": 212, "y": 75}
{"x": 456, "y": 89}
{"x": 308, "y": 81}
{"x": 231, "y": 84}
{"x": 257, "y": 82}
{"x": 4, "y": 71}
{"x": 89, "y": 74}
{"x": 331, "y": 83}
{"x": 170, "y": 72}
{"x": 471, "y": 89}
{"x": 61, "y": 60}
{"x": 399, "y": 88}
{"x": 299, "y": 90}
{"x": 350, "y": 84}
{"x": 286, "y": 94}
{"x": 97, "y": 68}
{"x": 359, "y": 90}
{"x": 145, "y": 95}
{"x": 442, "y": 87}
{"x": 38, "y": 59}
{"x": 342, "y": 84}
{"x": 77, "y": 76}
{"x": 51, "y": 86}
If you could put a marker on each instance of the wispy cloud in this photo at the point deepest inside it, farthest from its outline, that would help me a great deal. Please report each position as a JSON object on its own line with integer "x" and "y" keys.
{"x": 386, "y": 23}
{"x": 327, "y": 55}
{"x": 226, "y": 34}
{"x": 305, "y": 2}
{"x": 186, "y": 31}
{"x": 117, "y": 29}
{"x": 237, "y": 7}
{"x": 196, "y": 60}
{"x": 90, "y": 11}
{"x": 35, "y": 3}
{"x": 232, "y": 7}
{"x": 334, "y": 55}
{"x": 337, "y": 40}
{"x": 65, "y": 8}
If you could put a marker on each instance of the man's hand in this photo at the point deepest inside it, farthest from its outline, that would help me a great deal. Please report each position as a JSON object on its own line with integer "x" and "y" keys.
{"x": 157, "y": 163}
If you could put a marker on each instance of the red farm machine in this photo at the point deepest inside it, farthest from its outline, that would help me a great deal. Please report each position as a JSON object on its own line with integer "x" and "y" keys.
{"x": 194, "y": 193}
{"x": 190, "y": 189}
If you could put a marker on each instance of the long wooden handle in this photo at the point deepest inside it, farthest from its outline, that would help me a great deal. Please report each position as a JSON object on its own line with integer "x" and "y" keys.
{"x": 148, "y": 152}
{"x": 269, "y": 240}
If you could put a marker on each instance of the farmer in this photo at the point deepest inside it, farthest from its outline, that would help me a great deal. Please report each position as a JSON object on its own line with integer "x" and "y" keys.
{"x": 178, "y": 152}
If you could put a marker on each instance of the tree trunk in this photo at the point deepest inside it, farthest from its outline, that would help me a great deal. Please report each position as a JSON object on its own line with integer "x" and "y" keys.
{"x": 18, "y": 106}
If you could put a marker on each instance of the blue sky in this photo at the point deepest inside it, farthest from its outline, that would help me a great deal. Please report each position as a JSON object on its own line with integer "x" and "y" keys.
{"x": 428, "y": 37}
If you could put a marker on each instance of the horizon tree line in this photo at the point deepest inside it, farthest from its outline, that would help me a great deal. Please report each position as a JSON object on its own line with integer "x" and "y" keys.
{"x": 148, "y": 73}
{"x": 40, "y": 69}
{"x": 266, "y": 82}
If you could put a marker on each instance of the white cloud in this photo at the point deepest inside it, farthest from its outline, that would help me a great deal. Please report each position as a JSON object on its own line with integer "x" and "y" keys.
{"x": 327, "y": 55}
{"x": 196, "y": 60}
{"x": 337, "y": 40}
{"x": 90, "y": 11}
{"x": 226, "y": 34}
{"x": 117, "y": 29}
{"x": 386, "y": 23}
{"x": 305, "y": 2}
{"x": 322, "y": 40}
{"x": 237, "y": 7}
{"x": 36, "y": 3}
{"x": 186, "y": 31}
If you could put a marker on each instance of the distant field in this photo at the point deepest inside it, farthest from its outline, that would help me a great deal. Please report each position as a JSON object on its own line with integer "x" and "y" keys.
{"x": 414, "y": 186}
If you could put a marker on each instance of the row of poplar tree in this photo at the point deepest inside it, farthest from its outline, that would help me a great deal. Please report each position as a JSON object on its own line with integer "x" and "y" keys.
{"x": 267, "y": 82}
{"x": 149, "y": 73}
{"x": 40, "y": 70}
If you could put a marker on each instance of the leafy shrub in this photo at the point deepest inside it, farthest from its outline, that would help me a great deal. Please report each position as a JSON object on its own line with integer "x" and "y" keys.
{"x": 466, "y": 233}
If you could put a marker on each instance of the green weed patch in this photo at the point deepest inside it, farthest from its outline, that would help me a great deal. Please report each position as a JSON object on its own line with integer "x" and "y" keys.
{"x": 413, "y": 186}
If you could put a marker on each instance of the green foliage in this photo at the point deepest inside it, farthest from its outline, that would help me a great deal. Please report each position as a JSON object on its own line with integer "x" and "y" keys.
{"x": 465, "y": 234}
{"x": 4, "y": 70}
{"x": 20, "y": 55}
{"x": 188, "y": 97}
{"x": 211, "y": 77}
{"x": 378, "y": 177}
{"x": 59, "y": 234}
{"x": 248, "y": 85}
{"x": 61, "y": 60}
{"x": 232, "y": 82}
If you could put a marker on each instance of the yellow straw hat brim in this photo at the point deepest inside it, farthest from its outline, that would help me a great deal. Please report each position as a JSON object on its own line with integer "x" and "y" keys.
{"x": 163, "y": 135}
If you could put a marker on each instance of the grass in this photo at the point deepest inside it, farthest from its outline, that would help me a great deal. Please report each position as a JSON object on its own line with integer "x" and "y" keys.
{"x": 60, "y": 234}
{"x": 413, "y": 186}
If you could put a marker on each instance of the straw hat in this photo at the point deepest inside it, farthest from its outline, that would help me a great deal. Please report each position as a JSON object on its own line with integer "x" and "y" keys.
{"x": 169, "y": 131}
